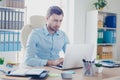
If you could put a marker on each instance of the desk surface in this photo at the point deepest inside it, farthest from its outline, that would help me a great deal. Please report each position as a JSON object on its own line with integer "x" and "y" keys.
{"x": 107, "y": 74}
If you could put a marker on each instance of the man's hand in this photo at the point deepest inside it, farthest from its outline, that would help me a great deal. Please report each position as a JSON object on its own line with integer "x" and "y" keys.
{"x": 55, "y": 62}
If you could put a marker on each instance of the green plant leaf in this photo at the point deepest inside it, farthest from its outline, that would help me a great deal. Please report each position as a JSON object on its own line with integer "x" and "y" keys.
{"x": 1, "y": 60}
{"x": 96, "y": 5}
{"x": 100, "y": 4}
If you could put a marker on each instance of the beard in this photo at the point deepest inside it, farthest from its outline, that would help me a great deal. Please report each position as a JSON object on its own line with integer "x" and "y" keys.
{"x": 54, "y": 28}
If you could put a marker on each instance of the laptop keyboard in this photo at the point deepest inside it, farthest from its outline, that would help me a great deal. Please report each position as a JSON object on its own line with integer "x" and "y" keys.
{"x": 60, "y": 66}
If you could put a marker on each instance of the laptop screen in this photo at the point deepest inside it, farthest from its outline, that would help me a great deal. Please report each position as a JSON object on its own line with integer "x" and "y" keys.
{"x": 75, "y": 53}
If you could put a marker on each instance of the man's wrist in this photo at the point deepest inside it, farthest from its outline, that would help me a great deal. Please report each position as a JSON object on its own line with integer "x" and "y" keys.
{"x": 49, "y": 62}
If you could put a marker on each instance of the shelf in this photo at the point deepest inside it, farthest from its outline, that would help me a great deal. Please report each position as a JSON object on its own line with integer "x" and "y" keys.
{"x": 13, "y": 4}
{"x": 12, "y": 30}
{"x": 12, "y": 20}
{"x": 101, "y": 30}
{"x": 105, "y": 44}
{"x": 11, "y": 8}
{"x": 105, "y": 28}
{"x": 106, "y": 13}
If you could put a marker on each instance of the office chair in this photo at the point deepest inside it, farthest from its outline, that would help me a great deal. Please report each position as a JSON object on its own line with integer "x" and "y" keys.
{"x": 35, "y": 22}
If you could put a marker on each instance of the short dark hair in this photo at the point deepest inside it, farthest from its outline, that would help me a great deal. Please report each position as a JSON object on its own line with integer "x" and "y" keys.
{"x": 54, "y": 10}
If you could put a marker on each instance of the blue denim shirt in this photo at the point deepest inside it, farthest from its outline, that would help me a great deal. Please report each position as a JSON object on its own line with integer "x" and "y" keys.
{"x": 43, "y": 46}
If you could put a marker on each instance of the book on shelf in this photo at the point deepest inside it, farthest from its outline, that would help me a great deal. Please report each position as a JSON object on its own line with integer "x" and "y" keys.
{"x": 9, "y": 41}
{"x": 100, "y": 36}
{"x": 109, "y": 36}
{"x": 13, "y": 3}
{"x": 110, "y": 21}
{"x": 107, "y": 55}
{"x": 1, "y": 40}
{"x": 103, "y": 48}
{"x": 105, "y": 52}
{"x": 2, "y": 18}
{"x": 11, "y": 19}
{"x": 100, "y": 21}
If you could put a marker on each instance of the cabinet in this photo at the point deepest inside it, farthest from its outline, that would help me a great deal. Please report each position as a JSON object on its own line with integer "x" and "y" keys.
{"x": 101, "y": 30}
{"x": 11, "y": 22}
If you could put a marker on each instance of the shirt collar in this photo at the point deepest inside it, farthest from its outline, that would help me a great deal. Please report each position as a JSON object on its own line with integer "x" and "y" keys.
{"x": 47, "y": 33}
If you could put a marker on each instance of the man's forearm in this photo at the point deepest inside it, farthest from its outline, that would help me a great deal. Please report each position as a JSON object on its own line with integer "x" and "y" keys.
{"x": 54, "y": 62}
{"x": 35, "y": 62}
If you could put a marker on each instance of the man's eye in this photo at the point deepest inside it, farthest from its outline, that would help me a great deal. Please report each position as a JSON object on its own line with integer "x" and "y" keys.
{"x": 60, "y": 20}
{"x": 56, "y": 20}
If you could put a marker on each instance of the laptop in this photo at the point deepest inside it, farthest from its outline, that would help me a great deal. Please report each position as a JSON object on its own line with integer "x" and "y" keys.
{"x": 74, "y": 55}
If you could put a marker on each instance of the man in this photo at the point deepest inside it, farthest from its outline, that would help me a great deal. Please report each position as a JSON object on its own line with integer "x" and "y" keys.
{"x": 45, "y": 43}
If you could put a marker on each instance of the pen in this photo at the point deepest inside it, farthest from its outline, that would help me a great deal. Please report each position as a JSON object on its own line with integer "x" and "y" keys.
{"x": 84, "y": 60}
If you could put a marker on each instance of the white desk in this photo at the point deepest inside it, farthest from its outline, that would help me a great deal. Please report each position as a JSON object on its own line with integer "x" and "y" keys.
{"x": 107, "y": 74}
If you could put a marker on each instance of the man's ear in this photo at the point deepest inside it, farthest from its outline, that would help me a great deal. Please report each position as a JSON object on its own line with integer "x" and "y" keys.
{"x": 47, "y": 17}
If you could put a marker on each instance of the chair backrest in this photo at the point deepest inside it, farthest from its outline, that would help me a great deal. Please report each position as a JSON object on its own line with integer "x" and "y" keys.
{"x": 35, "y": 22}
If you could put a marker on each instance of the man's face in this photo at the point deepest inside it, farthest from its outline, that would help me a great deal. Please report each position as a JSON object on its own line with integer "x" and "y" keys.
{"x": 54, "y": 22}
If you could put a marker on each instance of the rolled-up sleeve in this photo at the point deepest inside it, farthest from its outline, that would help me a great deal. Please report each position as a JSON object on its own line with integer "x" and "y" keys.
{"x": 66, "y": 41}
{"x": 31, "y": 50}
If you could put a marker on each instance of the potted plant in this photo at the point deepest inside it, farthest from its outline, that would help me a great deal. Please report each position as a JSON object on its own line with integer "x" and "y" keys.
{"x": 1, "y": 61}
{"x": 100, "y": 4}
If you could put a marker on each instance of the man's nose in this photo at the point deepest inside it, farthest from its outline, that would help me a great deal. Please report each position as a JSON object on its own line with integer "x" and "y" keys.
{"x": 58, "y": 23}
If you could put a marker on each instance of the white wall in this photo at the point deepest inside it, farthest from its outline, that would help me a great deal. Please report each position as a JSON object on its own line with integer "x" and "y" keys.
{"x": 79, "y": 20}
{"x": 75, "y": 18}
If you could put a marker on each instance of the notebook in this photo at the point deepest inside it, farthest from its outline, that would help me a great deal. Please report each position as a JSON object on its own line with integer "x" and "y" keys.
{"x": 74, "y": 55}
{"x": 109, "y": 63}
{"x": 33, "y": 73}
